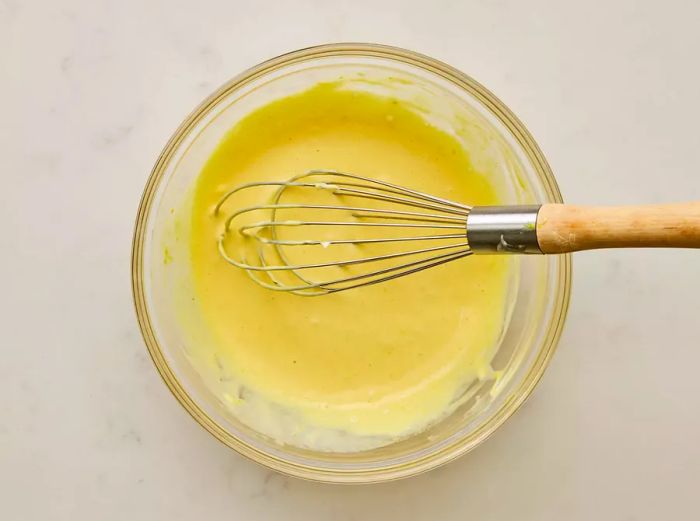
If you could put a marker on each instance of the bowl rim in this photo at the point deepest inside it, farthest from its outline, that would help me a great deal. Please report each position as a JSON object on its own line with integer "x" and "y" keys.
{"x": 414, "y": 467}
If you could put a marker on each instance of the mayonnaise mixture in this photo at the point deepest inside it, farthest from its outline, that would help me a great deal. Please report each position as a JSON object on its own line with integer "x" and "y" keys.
{"x": 360, "y": 368}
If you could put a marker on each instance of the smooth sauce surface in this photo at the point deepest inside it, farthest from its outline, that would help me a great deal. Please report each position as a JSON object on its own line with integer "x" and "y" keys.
{"x": 379, "y": 362}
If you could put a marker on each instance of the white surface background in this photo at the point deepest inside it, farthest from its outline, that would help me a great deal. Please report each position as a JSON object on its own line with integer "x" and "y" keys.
{"x": 91, "y": 90}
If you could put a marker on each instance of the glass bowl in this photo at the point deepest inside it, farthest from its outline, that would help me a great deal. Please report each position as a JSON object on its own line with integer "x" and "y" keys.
{"x": 163, "y": 294}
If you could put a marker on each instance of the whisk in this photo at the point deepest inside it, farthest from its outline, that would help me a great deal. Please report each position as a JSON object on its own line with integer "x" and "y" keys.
{"x": 326, "y": 231}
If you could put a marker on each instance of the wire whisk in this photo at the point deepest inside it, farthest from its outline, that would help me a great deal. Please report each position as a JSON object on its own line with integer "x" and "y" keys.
{"x": 325, "y": 231}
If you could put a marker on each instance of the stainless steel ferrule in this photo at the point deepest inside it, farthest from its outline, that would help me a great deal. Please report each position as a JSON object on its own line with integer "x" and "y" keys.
{"x": 503, "y": 229}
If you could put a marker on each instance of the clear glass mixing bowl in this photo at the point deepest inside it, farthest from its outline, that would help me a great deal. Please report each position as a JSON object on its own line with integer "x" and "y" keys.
{"x": 160, "y": 275}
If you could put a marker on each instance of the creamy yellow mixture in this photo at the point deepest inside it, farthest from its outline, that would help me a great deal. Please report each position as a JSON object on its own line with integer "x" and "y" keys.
{"x": 376, "y": 363}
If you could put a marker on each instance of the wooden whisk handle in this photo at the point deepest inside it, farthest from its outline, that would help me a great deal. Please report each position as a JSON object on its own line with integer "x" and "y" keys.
{"x": 563, "y": 228}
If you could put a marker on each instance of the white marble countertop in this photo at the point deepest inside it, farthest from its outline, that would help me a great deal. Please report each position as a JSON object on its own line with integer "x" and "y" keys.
{"x": 91, "y": 90}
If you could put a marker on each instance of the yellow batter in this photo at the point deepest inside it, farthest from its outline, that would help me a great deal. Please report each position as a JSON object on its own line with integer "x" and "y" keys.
{"x": 376, "y": 363}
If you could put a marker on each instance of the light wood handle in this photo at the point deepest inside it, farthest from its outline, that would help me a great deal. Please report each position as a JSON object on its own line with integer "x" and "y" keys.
{"x": 563, "y": 228}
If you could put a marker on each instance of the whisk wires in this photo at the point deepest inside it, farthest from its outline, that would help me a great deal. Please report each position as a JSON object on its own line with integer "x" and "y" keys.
{"x": 325, "y": 231}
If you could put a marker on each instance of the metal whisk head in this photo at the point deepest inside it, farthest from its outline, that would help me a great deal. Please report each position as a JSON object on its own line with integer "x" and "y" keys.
{"x": 324, "y": 231}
